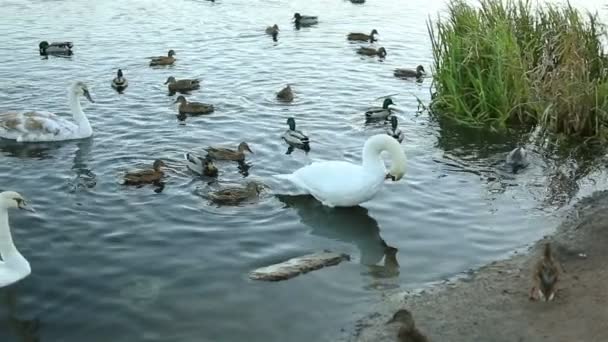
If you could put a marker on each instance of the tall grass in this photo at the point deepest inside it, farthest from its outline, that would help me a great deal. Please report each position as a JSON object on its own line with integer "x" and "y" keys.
{"x": 507, "y": 62}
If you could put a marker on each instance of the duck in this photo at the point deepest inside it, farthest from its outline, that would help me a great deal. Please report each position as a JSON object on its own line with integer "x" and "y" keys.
{"x": 394, "y": 131}
{"x": 193, "y": 108}
{"x": 146, "y": 176}
{"x": 545, "y": 276}
{"x": 305, "y": 20}
{"x": 42, "y": 126}
{"x": 344, "y": 184}
{"x": 272, "y": 29}
{"x": 380, "y": 112}
{"x": 235, "y": 195}
{"x": 362, "y": 36}
{"x": 119, "y": 82}
{"x": 294, "y": 137}
{"x": 390, "y": 268}
{"x": 201, "y": 166}
{"x": 286, "y": 94}
{"x": 221, "y": 153}
{"x": 14, "y": 266}
{"x": 368, "y": 51}
{"x": 183, "y": 85}
{"x": 357, "y": 1}
{"x": 61, "y": 48}
{"x": 517, "y": 159}
{"x": 410, "y": 73}
{"x": 407, "y": 327}
{"x": 163, "y": 60}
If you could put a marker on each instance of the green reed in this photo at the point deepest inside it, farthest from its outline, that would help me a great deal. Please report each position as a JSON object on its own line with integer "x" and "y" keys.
{"x": 500, "y": 63}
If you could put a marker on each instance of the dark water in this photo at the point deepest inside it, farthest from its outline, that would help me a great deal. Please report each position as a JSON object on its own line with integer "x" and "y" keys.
{"x": 124, "y": 264}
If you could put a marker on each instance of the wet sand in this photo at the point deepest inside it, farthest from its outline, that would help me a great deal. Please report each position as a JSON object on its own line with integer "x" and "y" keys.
{"x": 492, "y": 304}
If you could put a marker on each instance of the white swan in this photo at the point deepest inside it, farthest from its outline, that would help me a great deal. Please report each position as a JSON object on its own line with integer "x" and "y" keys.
{"x": 13, "y": 266}
{"x": 344, "y": 184}
{"x": 32, "y": 126}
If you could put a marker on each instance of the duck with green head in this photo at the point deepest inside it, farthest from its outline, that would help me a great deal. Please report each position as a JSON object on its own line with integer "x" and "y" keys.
{"x": 294, "y": 137}
{"x": 380, "y": 112}
{"x": 119, "y": 83}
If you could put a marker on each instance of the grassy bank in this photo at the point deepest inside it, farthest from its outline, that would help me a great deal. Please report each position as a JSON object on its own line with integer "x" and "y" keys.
{"x": 501, "y": 63}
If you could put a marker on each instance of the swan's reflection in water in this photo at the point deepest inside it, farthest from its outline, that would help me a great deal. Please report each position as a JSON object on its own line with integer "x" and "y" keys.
{"x": 352, "y": 225}
{"x": 84, "y": 178}
{"x": 11, "y": 148}
{"x": 24, "y": 330}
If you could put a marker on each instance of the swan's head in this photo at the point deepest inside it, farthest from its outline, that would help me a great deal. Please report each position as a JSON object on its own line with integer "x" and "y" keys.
{"x": 379, "y": 143}
{"x": 244, "y": 147}
{"x": 81, "y": 89}
{"x": 171, "y": 53}
{"x": 170, "y": 79}
{"x": 11, "y": 199}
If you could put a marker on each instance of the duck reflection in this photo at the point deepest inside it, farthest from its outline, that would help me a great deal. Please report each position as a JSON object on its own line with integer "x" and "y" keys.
{"x": 84, "y": 178}
{"x": 390, "y": 267}
{"x": 352, "y": 225}
{"x": 25, "y": 330}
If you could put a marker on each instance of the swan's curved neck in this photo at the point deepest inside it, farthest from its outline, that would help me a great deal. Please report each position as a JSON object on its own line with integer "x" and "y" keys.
{"x": 79, "y": 117}
{"x": 372, "y": 150}
{"x": 8, "y": 251}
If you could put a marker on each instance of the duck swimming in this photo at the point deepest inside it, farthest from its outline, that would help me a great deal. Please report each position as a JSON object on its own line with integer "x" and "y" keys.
{"x": 163, "y": 60}
{"x": 40, "y": 126}
{"x": 294, "y": 137}
{"x": 517, "y": 159}
{"x": 380, "y": 112}
{"x": 273, "y": 31}
{"x": 394, "y": 131}
{"x": 305, "y": 20}
{"x": 146, "y": 176}
{"x": 286, "y": 94}
{"x": 62, "y": 48}
{"x": 235, "y": 195}
{"x": 13, "y": 266}
{"x": 410, "y": 73}
{"x": 363, "y": 37}
{"x": 183, "y": 85}
{"x": 221, "y": 153}
{"x": 344, "y": 184}
{"x": 119, "y": 82}
{"x": 193, "y": 108}
{"x": 201, "y": 166}
{"x": 367, "y": 51}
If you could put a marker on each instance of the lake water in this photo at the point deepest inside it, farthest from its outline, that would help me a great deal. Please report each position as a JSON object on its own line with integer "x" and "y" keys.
{"x": 112, "y": 263}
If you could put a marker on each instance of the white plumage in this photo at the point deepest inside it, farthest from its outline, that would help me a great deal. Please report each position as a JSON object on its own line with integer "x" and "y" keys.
{"x": 13, "y": 266}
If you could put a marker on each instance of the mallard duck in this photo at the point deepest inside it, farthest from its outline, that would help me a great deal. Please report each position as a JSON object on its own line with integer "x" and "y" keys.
{"x": 305, "y": 20}
{"x": 517, "y": 159}
{"x": 193, "y": 108}
{"x": 379, "y": 112}
{"x": 119, "y": 82}
{"x": 545, "y": 276}
{"x": 183, "y": 85}
{"x": 367, "y": 51}
{"x": 409, "y": 73}
{"x": 394, "y": 131}
{"x": 220, "y": 153}
{"x": 407, "y": 327}
{"x": 61, "y": 48}
{"x": 236, "y": 195}
{"x": 146, "y": 176}
{"x": 163, "y": 60}
{"x": 362, "y": 36}
{"x": 294, "y": 137}
{"x": 357, "y": 1}
{"x": 272, "y": 29}
{"x": 202, "y": 166}
{"x": 286, "y": 94}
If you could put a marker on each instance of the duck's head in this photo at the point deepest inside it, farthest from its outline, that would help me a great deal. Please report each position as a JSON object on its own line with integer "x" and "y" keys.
{"x": 387, "y": 102}
{"x": 43, "y": 45}
{"x": 374, "y": 32}
{"x": 170, "y": 79}
{"x": 81, "y": 89}
{"x": 420, "y": 70}
{"x": 158, "y": 164}
{"x": 394, "y": 122}
{"x": 119, "y": 73}
{"x": 244, "y": 147}
{"x": 297, "y": 17}
{"x": 171, "y": 53}
{"x": 11, "y": 199}
{"x": 209, "y": 166}
{"x": 382, "y": 52}
{"x": 275, "y": 27}
{"x": 292, "y": 123}
{"x": 181, "y": 99}
{"x": 403, "y": 317}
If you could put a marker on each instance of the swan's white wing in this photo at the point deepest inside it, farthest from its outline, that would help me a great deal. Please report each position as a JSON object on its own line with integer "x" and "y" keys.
{"x": 33, "y": 125}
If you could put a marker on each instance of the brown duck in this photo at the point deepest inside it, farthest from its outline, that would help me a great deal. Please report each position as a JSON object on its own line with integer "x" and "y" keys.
{"x": 193, "y": 108}
{"x": 146, "y": 176}
{"x": 363, "y": 37}
{"x": 163, "y": 60}
{"x": 545, "y": 276}
{"x": 407, "y": 330}
{"x": 236, "y": 195}
{"x": 367, "y": 51}
{"x": 286, "y": 94}
{"x": 182, "y": 85}
{"x": 220, "y": 153}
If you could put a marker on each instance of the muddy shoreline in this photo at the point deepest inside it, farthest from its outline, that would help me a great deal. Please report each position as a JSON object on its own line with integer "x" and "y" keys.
{"x": 492, "y": 303}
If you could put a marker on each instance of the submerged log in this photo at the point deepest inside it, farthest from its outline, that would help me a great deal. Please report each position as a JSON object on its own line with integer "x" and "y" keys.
{"x": 296, "y": 266}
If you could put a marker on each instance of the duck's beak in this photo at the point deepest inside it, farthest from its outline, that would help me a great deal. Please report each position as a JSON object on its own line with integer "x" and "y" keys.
{"x": 392, "y": 320}
{"x": 24, "y": 206}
